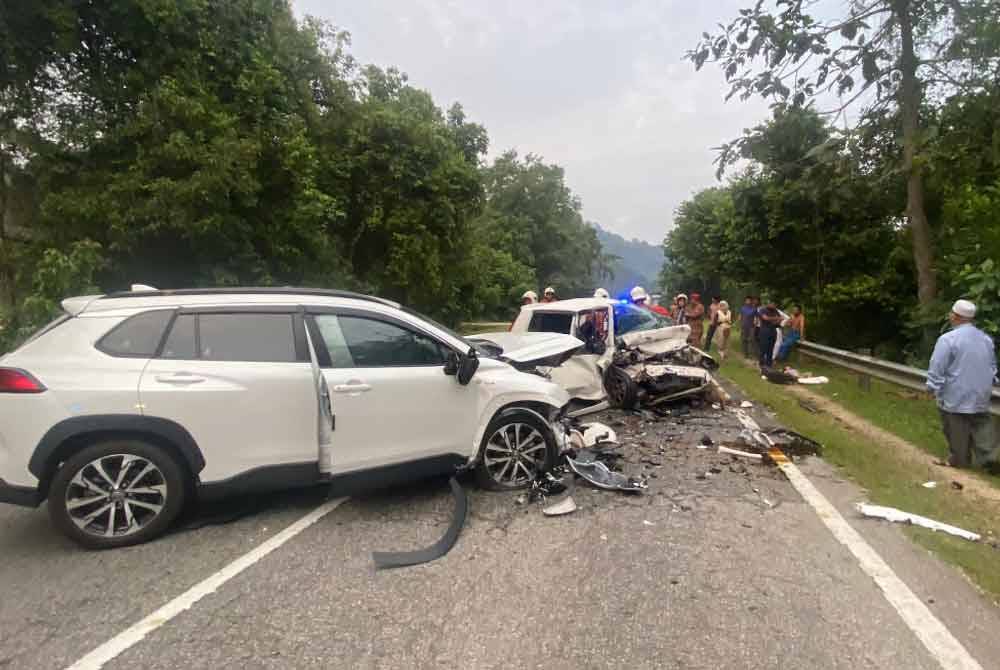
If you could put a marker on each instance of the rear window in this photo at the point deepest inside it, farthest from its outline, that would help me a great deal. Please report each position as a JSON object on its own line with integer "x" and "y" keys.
{"x": 52, "y": 325}
{"x": 247, "y": 337}
{"x": 551, "y": 322}
{"x": 137, "y": 336}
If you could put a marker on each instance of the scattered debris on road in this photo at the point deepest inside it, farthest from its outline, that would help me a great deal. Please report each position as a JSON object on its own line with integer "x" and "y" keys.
{"x": 929, "y": 485}
{"x": 746, "y": 404}
{"x": 601, "y": 476}
{"x": 743, "y": 454}
{"x": 565, "y": 506}
{"x": 899, "y": 516}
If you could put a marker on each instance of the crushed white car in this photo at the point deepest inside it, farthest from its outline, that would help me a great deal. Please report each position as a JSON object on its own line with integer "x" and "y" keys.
{"x": 624, "y": 355}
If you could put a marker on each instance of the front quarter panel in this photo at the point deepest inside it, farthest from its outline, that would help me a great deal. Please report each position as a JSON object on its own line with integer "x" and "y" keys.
{"x": 499, "y": 385}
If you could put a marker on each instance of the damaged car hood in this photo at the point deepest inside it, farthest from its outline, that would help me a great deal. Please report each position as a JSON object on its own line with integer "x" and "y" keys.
{"x": 659, "y": 341}
{"x": 531, "y": 349}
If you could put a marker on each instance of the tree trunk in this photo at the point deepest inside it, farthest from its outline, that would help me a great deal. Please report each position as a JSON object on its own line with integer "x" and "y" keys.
{"x": 910, "y": 96}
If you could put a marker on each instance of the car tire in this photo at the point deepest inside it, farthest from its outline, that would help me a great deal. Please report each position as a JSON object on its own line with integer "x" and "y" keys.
{"x": 621, "y": 389}
{"x": 530, "y": 447}
{"x": 134, "y": 487}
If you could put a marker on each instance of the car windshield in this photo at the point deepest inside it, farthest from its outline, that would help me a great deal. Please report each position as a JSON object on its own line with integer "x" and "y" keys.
{"x": 630, "y": 319}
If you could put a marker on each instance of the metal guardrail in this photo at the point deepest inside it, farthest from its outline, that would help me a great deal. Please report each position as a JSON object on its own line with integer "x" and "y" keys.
{"x": 903, "y": 375}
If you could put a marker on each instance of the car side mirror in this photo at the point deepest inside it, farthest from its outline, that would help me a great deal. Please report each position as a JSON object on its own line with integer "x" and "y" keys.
{"x": 467, "y": 367}
{"x": 451, "y": 364}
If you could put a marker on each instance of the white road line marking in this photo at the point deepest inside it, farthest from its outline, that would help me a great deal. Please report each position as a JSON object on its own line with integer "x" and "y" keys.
{"x": 130, "y": 636}
{"x": 938, "y": 640}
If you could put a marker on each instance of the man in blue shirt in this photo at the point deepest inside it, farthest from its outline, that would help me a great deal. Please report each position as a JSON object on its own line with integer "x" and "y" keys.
{"x": 961, "y": 376}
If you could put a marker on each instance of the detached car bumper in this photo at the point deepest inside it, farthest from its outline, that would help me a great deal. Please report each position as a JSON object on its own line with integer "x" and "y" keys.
{"x": 25, "y": 496}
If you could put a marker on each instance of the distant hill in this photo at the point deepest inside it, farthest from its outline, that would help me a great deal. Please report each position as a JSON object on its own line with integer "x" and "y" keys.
{"x": 640, "y": 261}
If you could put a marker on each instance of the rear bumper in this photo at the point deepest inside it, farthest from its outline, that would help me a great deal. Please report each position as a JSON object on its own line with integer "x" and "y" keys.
{"x": 25, "y": 496}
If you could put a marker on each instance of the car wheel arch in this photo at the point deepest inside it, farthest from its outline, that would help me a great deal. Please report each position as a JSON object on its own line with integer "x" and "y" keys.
{"x": 72, "y": 435}
{"x": 539, "y": 408}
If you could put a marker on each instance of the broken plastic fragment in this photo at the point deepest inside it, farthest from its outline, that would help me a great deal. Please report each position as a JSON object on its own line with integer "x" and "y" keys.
{"x": 565, "y": 506}
{"x": 401, "y": 559}
{"x": 599, "y": 475}
{"x": 929, "y": 485}
{"x": 737, "y": 452}
{"x": 813, "y": 380}
{"x": 898, "y": 516}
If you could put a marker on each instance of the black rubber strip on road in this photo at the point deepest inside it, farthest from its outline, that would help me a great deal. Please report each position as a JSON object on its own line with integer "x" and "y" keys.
{"x": 401, "y": 559}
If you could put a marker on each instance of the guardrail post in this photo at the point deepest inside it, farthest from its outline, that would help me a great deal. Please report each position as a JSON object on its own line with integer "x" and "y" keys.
{"x": 865, "y": 381}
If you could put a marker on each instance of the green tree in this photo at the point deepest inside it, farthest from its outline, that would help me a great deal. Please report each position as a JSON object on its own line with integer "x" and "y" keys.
{"x": 884, "y": 53}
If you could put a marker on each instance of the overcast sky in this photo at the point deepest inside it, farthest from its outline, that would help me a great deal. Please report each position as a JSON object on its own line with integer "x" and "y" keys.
{"x": 599, "y": 87}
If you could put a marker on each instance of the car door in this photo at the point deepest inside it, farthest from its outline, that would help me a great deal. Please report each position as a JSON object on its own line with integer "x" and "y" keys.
{"x": 241, "y": 383}
{"x": 391, "y": 399}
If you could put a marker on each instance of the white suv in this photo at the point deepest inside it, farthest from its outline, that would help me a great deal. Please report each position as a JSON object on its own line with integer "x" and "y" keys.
{"x": 131, "y": 404}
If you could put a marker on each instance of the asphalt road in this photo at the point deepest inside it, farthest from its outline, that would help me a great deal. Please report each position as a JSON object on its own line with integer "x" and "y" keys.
{"x": 729, "y": 569}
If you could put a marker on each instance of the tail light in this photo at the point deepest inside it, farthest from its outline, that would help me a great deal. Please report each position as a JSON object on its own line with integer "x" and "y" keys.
{"x": 14, "y": 380}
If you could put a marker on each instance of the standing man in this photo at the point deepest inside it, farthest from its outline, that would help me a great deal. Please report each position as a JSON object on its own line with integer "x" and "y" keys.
{"x": 961, "y": 376}
{"x": 747, "y": 315}
{"x": 713, "y": 309}
{"x": 549, "y": 295}
{"x": 695, "y": 319}
{"x": 529, "y": 298}
{"x": 769, "y": 318}
{"x": 680, "y": 314}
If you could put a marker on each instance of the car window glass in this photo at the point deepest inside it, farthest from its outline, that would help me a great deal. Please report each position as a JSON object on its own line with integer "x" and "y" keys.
{"x": 180, "y": 342}
{"x": 629, "y": 319}
{"x": 551, "y": 322}
{"x": 378, "y": 344}
{"x": 138, "y": 335}
{"x": 333, "y": 337}
{"x": 246, "y": 337}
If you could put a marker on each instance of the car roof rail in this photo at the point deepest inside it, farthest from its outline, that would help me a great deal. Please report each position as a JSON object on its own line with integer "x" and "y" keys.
{"x": 243, "y": 290}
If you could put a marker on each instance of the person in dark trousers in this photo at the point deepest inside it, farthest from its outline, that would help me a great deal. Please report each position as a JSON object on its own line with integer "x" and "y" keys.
{"x": 713, "y": 324}
{"x": 756, "y": 325}
{"x": 747, "y": 312}
{"x": 961, "y": 375}
{"x": 770, "y": 320}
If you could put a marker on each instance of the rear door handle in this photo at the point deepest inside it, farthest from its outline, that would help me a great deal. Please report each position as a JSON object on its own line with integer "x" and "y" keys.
{"x": 352, "y": 388}
{"x": 179, "y": 379}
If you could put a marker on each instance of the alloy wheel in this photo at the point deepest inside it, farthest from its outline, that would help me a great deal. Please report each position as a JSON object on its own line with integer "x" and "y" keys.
{"x": 116, "y": 495}
{"x": 515, "y": 454}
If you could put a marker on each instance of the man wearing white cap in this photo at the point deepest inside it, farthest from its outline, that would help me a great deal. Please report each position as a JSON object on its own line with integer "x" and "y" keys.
{"x": 549, "y": 295}
{"x": 529, "y": 298}
{"x": 961, "y": 376}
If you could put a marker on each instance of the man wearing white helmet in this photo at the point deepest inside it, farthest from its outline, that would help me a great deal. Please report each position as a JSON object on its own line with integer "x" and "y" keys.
{"x": 601, "y": 293}
{"x": 641, "y": 298}
{"x": 961, "y": 374}
{"x": 529, "y": 298}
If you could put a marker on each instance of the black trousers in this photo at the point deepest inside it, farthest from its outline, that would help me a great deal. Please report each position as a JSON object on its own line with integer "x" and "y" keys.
{"x": 970, "y": 438}
{"x": 767, "y": 338}
{"x": 708, "y": 339}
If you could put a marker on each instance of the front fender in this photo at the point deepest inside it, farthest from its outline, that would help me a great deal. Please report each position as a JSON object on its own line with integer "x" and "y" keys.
{"x": 521, "y": 400}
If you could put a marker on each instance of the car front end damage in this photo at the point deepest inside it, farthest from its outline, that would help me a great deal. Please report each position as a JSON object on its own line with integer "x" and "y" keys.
{"x": 659, "y": 366}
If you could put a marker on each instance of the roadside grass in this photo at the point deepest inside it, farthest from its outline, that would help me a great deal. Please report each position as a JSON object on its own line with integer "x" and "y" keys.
{"x": 908, "y": 414}
{"x": 890, "y": 479}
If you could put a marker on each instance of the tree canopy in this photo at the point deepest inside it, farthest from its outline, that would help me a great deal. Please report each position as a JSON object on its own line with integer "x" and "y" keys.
{"x": 188, "y": 143}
